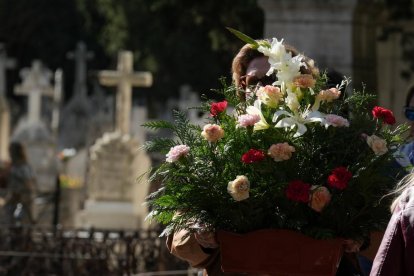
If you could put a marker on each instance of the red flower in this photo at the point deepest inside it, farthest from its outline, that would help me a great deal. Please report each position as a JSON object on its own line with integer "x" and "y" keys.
{"x": 384, "y": 114}
{"x": 252, "y": 156}
{"x": 339, "y": 178}
{"x": 217, "y": 108}
{"x": 297, "y": 190}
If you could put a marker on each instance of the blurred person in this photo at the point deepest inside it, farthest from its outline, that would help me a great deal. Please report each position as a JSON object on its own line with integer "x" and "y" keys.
{"x": 396, "y": 253}
{"x": 20, "y": 186}
{"x": 201, "y": 248}
{"x": 405, "y": 155}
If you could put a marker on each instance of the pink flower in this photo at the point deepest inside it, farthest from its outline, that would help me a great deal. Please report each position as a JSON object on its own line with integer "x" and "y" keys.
{"x": 281, "y": 151}
{"x": 336, "y": 121}
{"x": 304, "y": 81}
{"x": 176, "y": 152}
{"x": 212, "y": 132}
{"x": 246, "y": 120}
{"x": 320, "y": 197}
{"x": 270, "y": 95}
{"x": 329, "y": 94}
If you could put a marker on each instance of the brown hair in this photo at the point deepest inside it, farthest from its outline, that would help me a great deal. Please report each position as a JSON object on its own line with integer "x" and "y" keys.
{"x": 246, "y": 54}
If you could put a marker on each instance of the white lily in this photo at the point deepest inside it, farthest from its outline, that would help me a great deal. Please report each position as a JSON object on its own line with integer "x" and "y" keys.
{"x": 257, "y": 110}
{"x": 298, "y": 120}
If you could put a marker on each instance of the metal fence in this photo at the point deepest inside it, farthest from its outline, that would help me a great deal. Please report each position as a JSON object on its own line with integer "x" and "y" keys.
{"x": 37, "y": 250}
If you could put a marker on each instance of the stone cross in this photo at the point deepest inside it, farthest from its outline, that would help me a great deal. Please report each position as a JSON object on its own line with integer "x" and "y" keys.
{"x": 36, "y": 83}
{"x": 124, "y": 78}
{"x": 81, "y": 56}
{"x": 5, "y": 63}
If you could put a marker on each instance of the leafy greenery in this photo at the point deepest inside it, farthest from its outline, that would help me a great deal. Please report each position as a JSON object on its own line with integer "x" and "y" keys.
{"x": 194, "y": 190}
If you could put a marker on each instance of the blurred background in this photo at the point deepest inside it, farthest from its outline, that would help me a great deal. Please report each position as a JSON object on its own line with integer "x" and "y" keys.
{"x": 79, "y": 77}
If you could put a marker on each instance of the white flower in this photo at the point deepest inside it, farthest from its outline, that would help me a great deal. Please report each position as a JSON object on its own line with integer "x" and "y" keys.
{"x": 377, "y": 144}
{"x": 176, "y": 152}
{"x": 256, "y": 110}
{"x": 292, "y": 101}
{"x": 298, "y": 120}
{"x": 239, "y": 188}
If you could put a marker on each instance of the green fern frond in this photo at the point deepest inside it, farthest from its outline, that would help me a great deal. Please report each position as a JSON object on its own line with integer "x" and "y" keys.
{"x": 159, "y": 145}
{"x": 159, "y": 125}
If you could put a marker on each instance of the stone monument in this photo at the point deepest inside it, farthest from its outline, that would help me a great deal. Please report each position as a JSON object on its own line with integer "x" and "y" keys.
{"x": 34, "y": 133}
{"x": 78, "y": 111}
{"x": 115, "y": 197}
{"x": 5, "y": 63}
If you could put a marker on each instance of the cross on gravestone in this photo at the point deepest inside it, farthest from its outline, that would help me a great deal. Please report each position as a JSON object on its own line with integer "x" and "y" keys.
{"x": 81, "y": 56}
{"x": 124, "y": 78}
{"x": 36, "y": 82}
{"x": 5, "y": 63}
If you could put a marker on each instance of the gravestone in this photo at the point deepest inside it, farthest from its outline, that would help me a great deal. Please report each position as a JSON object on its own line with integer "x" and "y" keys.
{"x": 339, "y": 35}
{"x": 115, "y": 159}
{"x": 32, "y": 131}
{"x": 5, "y": 63}
{"x": 78, "y": 111}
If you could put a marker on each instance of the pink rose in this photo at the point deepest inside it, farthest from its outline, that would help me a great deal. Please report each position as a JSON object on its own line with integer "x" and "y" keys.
{"x": 304, "y": 81}
{"x": 320, "y": 197}
{"x": 176, "y": 152}
{"x": 336, "y": 121}
{"x": 212, "y": 132}
{"x": 246, "y": 120}
{"x": 281, "y": 151}
{"x": 329, "y": 94}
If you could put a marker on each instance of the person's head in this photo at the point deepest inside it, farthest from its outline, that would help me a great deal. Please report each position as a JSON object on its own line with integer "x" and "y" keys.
{"x": 17, "y": 153}
{"x": 409, "y": 105}
{"x": 250, "y": 66}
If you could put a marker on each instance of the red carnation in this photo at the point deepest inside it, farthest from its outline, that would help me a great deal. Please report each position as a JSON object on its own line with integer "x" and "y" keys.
{"x": 217, "y": 108}
{"x": 252, "y": 156}
{"x": 339, "y": 178}
{"x": 297, "y": 190}
{"x": 384, "y": 114}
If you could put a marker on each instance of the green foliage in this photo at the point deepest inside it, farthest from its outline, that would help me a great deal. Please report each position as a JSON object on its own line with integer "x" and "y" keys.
{"x": 195, "y": 186}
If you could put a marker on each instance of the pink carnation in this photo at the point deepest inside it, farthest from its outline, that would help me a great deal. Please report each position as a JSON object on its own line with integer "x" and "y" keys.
{"x": 336, "y": 121}
{"x": 176, "y": 152}
{"x": 246, "y": 120}
{"x": 281, "y": 151}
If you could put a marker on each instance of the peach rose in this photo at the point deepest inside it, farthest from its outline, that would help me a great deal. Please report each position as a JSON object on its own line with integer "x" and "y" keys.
{"x": 281, "y": 151}
{"x": 212, "y": 132}
{"x": 304, "y": 81}
{"x": 377, "y": 144}
{"x": 320, "y": 197}
{"x": 329, "y": 94}
{"x": 239, "y": 188}
{"x": 270, "y": 95}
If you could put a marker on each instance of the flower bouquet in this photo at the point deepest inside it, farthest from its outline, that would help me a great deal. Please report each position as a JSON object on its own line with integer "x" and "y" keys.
{"x": 295, "y": 155}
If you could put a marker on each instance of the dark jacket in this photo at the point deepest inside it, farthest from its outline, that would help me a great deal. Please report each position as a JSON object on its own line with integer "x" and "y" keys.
{"x": 396, "y": 253}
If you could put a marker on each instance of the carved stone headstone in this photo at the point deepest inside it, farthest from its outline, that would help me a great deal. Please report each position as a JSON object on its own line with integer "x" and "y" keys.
{"x": 79, "y": 110}
{"x": 5, "y": 63}
{"x": 115, "y": 160}
{"x": 32, "y": 132}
